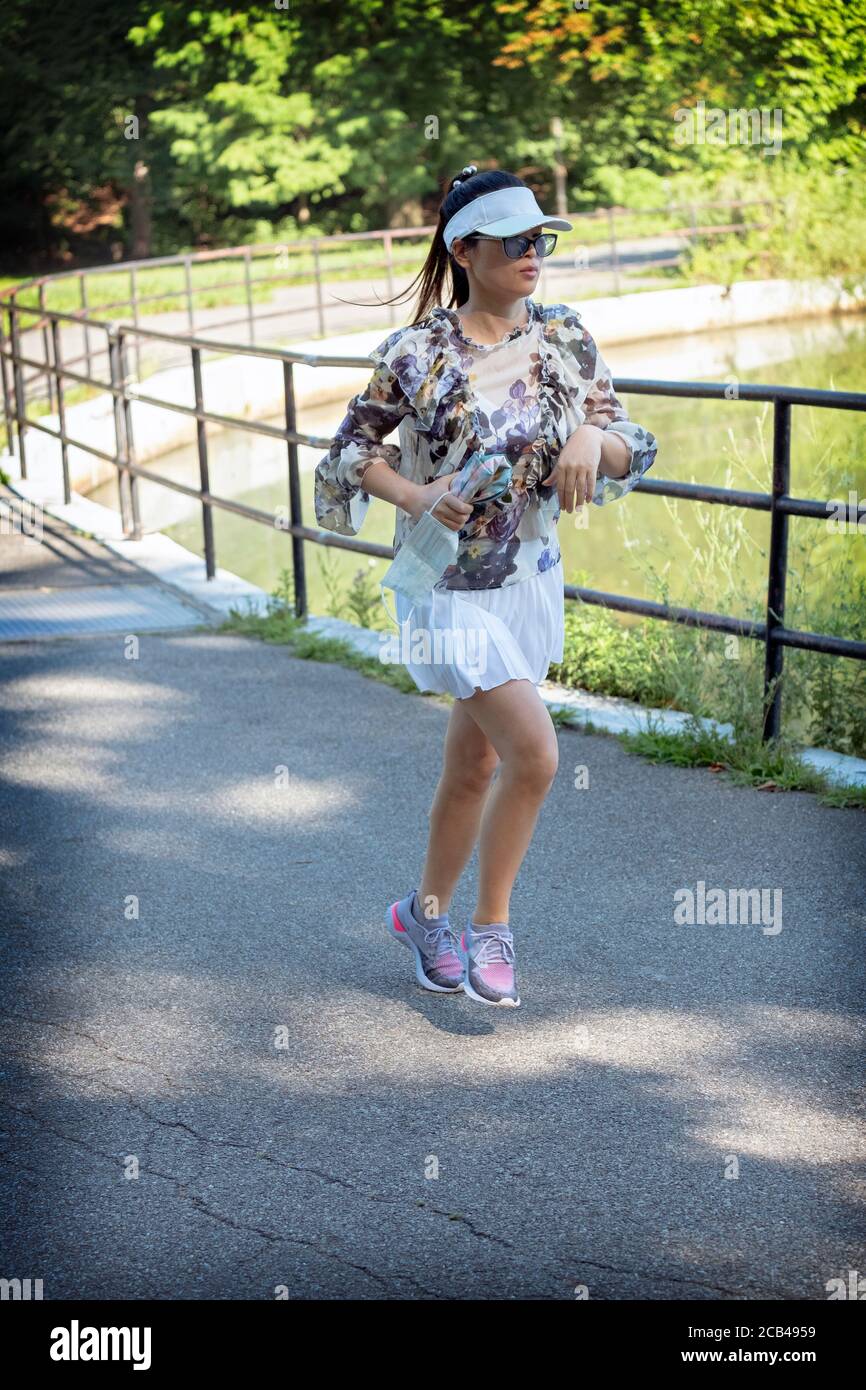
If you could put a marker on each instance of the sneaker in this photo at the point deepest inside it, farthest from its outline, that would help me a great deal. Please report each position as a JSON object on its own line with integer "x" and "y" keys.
{"x": 488, "y": 964}
{"x": 437, "y": 964}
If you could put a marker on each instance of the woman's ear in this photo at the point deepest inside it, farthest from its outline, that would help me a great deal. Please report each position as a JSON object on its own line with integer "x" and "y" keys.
{"x": 460, "y": 252}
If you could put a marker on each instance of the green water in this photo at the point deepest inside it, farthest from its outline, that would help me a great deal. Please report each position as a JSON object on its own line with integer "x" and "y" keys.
{"x": 696, "y": 552}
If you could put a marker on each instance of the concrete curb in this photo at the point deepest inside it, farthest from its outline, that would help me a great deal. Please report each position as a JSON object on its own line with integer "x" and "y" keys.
{"x": 175, "y": 565}
{"x": 156, "y": 553}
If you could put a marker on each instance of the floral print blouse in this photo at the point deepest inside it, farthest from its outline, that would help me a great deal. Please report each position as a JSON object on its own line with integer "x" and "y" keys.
{"x": 430, "y": 383}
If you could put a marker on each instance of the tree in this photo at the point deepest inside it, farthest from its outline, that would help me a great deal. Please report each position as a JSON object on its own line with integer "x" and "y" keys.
{"x": 70, "y": 82}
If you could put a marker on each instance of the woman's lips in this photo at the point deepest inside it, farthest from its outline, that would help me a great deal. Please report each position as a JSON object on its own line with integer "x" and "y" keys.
{"x": 530, "y": 270}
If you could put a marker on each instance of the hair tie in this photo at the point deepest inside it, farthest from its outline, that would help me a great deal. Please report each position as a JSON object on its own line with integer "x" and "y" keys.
{"x": 466, "y": 173}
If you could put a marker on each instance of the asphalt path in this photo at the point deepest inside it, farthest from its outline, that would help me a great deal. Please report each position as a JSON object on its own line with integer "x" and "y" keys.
{"x": 220, "y": 1077}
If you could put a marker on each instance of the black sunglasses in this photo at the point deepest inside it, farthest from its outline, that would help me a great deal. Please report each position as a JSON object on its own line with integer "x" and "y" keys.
{"x": 517, "y": 246}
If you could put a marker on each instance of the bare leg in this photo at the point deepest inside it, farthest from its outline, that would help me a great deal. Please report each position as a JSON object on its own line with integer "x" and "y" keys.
{"x": 516, "y": 721}
{"x": 470, "y": 762}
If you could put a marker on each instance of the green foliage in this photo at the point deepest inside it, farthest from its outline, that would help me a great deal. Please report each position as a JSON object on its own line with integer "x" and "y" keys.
{"x": 241, "y": 136}
{"x": 68, "y": 82}
{"x": 814, "y": 229}
{"x": 256, "y": 117}
{"x": 626, "y": 67}
{"x": 363, "y": 600}
{"x": 601, "y": 654}
{"x": 630, "y": 188}
{"x": 328, "y": 569}
{"x": 360, "y": 602}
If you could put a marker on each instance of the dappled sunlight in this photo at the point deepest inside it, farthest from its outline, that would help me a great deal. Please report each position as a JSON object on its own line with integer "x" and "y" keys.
{"x": 13, "y": 858}
{"x": 710, "y": 1071}
{"x": 692, "y": 1059}
{"x": 783, "y": 1128}
{"x": 300, "y": 800}
{"x": 162, "y": 1049}
{"x": 59, "y": 767}
{"x": 264, "y": 799}
{"x": 182, "y": 846}
{"x": 79, "y": 727}
{"x": 133, "y": 724}
{"x": 51, "y": 689}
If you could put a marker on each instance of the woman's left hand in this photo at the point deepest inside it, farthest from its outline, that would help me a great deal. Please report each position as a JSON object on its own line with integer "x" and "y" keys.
{"x": 576, "y": 468}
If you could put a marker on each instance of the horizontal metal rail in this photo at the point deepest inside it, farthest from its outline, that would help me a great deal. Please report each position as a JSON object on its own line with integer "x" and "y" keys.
{"x": 719, "y": 622}
{"x": 779, "y": 502}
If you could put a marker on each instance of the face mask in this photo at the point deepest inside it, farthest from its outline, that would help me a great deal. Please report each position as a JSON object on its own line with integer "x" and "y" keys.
{"x": 431, "y": 546}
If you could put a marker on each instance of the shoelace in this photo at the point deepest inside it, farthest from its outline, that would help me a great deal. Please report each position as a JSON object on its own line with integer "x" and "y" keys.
{"x": 495, "y": 948}
{"x": 442, "y": 941}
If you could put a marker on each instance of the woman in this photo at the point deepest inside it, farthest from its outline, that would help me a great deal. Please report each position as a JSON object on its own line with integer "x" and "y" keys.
{"x": 483, "y": 368}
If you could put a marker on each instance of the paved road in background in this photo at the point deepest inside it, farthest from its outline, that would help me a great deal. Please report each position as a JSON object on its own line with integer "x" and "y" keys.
{"x": 221, "y": 1078}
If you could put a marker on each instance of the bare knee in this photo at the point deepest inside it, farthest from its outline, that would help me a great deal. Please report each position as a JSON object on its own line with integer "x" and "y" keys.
{"x": 534, "y": 768}
{"x": 472, "y": 777}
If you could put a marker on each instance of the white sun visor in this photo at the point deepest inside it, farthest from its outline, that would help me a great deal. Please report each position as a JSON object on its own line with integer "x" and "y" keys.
{"x": 507, "y": 212}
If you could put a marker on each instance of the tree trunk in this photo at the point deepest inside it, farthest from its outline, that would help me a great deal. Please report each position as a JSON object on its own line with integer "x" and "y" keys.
{"x": 139, "y": 188}
{"x": 140, "y": 212}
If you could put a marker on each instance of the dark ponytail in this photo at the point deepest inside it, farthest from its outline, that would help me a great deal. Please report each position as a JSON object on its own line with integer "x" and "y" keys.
{"x": 465, "y": 188}
{"x": 433, "y": 275}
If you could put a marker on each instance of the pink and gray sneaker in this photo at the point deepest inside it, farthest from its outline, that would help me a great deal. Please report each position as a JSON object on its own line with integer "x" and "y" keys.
{"x": 437, "y": 963}
{"x": 487, "y": 954}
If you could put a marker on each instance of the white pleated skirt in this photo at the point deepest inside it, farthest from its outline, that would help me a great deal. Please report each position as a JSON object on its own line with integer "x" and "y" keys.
{"x": 461, "y": 640}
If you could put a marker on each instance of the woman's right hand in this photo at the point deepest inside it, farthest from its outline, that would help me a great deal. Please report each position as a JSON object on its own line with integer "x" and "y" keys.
{"x": 452, "y": 511}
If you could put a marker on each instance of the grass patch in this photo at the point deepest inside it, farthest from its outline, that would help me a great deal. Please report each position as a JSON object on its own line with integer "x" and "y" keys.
{"x": 770, "y": 767}
{"x": 279, "y": 625}
{"x": 564, "y": 718}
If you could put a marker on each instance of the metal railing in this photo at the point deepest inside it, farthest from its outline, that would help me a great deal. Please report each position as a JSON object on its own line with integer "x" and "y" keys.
{"x": 773, "y": 632}
{"x": 280, "y": 261}
{"x": 129, "y": 307}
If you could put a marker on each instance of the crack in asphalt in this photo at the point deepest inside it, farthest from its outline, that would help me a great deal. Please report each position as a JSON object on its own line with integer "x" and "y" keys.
{"x": 103, "y": 1047}
{"x": 675, "y": 1279}
{"x": 21, "y": 1168}
{"x": 200, "y": 1205}
{"x": 330, "y": 1178}
{"x": 317, "y": 1172}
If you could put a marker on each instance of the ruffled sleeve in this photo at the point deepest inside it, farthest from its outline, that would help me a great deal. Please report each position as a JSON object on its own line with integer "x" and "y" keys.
{"x": 604, "y": 408}
{"x": 428, "y": 370}
{"x": 340, "y": 501}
